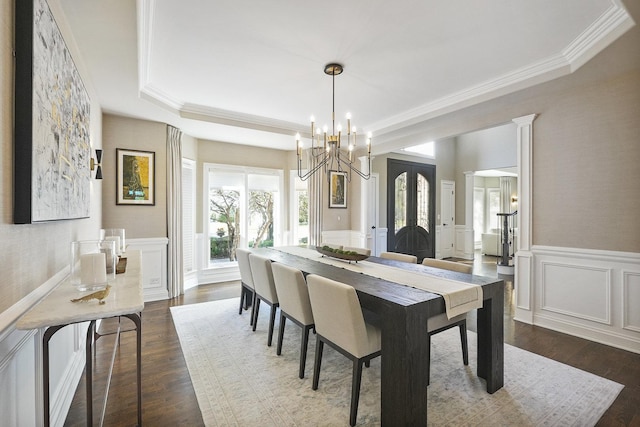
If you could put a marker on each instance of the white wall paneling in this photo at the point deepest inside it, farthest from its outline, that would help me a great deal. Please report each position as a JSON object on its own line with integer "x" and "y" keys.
{"x": 587, "y": 293}
{"x": 354, "y": 238}
{"x": 464, "y": 244}
{"x": 21, "y": 364}
{"x": 153, "y": 252}
{"x": 631, "y": 296}
{"x": 579, "y": 291}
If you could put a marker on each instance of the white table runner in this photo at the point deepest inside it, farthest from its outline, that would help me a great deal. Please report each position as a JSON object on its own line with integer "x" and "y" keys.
{"x": 459, "y": 297}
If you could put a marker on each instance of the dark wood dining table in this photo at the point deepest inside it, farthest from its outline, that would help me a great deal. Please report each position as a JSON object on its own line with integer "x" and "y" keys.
{"x": 402, "y": 312}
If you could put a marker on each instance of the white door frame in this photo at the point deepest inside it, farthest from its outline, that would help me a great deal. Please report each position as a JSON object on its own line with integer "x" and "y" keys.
{"x": 447, "y": 217}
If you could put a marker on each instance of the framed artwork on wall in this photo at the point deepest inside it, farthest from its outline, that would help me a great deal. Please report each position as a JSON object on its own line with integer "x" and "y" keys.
{"x": 337, "y": 189}
{"x": 135, "y": 175}
{"x": 52, "y": 148}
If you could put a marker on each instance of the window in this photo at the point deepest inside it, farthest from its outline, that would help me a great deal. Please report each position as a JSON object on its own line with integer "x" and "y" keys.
{"x": 299, "y": 210}
{"x": 243, "y": 210}
{"x": 494, "y": 208}
{"x": 478, "y": 214}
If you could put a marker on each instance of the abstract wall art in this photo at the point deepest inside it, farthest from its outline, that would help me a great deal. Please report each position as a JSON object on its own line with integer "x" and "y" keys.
{"x": 52, "y": 122}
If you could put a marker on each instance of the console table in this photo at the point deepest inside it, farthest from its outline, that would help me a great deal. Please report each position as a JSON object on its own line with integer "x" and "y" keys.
{"x": 55, "y": 311}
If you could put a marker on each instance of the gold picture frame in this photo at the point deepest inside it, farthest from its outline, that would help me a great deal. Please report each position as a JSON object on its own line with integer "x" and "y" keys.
{"x": 135, "y": 175}
{"x": 337, "y": 189}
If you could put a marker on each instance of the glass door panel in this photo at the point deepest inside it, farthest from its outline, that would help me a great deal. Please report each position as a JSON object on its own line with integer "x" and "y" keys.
{"x": 400, "y": 202}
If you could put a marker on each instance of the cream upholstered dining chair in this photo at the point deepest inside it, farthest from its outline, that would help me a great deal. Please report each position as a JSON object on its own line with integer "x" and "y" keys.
{"x": 399, "y": 257}
{"x": 293, "y": 296}
{"x": 362, "y": 251}
{"x": 340, "y": 323}
{"x": 265, "y": 290}
{"x": 440, "y": 322}
{"x": 448, "y": 265}
{"x": 247, "y": 293}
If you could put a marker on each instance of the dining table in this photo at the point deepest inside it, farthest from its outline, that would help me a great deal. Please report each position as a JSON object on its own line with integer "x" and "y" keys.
{"x": 401, "y": 311}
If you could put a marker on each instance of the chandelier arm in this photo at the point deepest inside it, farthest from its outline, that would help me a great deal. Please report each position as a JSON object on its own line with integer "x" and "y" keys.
{"x": 313, "y": 170}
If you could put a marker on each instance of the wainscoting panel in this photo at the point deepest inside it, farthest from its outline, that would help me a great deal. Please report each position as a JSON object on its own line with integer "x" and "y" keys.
{"x": 352, "y": 238}
{"x": 576, "y": 290}
{"x": 524, "y": 269}
{"x": 464, "y": 244}
{"x": 21, "y": 365}
{"x": 153, "y": 253}
{"x": 587, "y": 293}
{"x": 630, "y": 301}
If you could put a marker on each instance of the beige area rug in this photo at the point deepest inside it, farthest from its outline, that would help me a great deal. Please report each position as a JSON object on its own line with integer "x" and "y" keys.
{"x": 239, "y": 381}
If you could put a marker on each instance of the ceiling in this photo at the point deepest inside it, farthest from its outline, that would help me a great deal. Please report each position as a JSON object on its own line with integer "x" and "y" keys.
{"x": 251, "y": 72}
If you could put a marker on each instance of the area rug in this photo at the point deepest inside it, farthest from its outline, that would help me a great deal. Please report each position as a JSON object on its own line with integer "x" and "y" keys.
{"x": 239, "y": 381}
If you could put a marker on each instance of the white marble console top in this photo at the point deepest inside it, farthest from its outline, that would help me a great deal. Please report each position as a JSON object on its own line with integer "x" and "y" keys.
{"x": 125, "y": 297}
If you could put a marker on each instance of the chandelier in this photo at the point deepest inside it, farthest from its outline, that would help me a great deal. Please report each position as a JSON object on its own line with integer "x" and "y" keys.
{"x": 327, "y": 152}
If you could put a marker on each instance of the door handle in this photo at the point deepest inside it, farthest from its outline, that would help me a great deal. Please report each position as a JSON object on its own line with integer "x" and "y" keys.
{"x": 373, "y": 227}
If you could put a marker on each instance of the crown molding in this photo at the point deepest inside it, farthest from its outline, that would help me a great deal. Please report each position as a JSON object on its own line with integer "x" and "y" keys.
{"x": 607, "y": 28}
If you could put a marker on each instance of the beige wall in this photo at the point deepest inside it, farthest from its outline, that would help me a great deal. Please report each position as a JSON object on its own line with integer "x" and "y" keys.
{"x": 586, "y": 147}
{"x": 31, "y": 254}
{"x": 139, "y": 221}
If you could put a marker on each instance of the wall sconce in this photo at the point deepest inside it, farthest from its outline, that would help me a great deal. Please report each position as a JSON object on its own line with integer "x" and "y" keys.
{"x": 97, "y": 164}
{"x": 514, "y": 199}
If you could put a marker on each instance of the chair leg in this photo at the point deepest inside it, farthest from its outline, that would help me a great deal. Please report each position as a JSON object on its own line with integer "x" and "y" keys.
{"x": 355, "y": 391}
{"x": 463, "y": 339}
{"x": 272, "y": 322}
{"x": 317, "y": 363}
{"x": 280, "y": 333}
{"x": 255, "y": 315}
{"x": 243, "y": 292}
{"x": 429, "y": 361}
{"x": 253, "y": 307}
{"x": 303, "y": 350}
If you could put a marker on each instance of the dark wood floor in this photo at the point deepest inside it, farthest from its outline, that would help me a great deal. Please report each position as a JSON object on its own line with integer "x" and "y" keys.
{"x": 169, "y": 398}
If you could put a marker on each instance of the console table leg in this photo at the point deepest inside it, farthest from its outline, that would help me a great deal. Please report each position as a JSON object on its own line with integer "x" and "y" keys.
{"x": 135, "y": 318}
{"x": 48, "y": 333}
{"x": 89, "y": 370}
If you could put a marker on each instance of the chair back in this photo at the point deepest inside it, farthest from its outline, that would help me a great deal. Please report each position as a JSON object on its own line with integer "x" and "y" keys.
{"x": 242, "y": 255}
{"x": 448, "y": 265}
{"x": 400, "y": 257}
{"x": 361, "y": 251}
{"x": 339, "y": 318}
{"x": 263, "y": 277}
{"x": 293, "y": 294}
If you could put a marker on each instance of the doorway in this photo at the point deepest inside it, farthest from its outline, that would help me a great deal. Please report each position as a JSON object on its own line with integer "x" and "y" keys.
{"x": 411, "y": 208}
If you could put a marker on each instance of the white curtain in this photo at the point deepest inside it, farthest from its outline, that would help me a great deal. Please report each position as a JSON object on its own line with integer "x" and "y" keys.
{"x": 315, "y": 202}
{"x": 174, "y": 211}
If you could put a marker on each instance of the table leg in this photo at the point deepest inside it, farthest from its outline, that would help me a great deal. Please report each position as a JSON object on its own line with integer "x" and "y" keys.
{"x": 48, "y": 333}
{"x": 135, "y": 318}
{"x": 491, "y": 342}
{"x": 405, "y": 353}
{"x": 89, "y": 370}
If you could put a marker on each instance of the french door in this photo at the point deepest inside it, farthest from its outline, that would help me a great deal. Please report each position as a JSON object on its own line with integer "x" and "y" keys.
{"x": 411, "y": 208}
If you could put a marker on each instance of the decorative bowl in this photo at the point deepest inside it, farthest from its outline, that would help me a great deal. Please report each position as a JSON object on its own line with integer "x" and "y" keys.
{"x": 345, "y": 256}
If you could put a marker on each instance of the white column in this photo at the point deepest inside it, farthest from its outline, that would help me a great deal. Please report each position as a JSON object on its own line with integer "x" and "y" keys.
{"x": 524, "y": 279}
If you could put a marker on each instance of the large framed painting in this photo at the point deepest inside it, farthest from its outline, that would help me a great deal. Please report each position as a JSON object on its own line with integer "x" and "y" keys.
{"x": 337, "y": 189}
{"x": 135, "y": 172}
{"x": 52, "y": 148}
